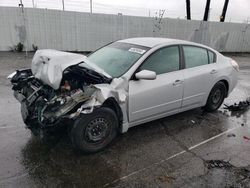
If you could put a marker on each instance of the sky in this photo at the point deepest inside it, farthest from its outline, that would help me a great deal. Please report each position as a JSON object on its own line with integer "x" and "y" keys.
{"x": 238, "y": 10}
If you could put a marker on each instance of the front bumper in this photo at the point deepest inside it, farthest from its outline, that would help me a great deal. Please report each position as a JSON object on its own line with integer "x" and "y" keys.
{"x": 20, "y": 97}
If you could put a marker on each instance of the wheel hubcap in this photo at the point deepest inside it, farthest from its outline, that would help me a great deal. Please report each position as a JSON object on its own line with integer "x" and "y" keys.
{"x": 96, "y": 130}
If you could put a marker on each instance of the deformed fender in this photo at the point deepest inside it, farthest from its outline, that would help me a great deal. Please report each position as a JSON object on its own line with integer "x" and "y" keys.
{"x": 103, "y": 92}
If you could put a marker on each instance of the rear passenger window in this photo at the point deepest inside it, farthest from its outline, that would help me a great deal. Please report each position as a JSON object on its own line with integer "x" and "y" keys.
{"x": 163, "y": 60}
{"x": 195, "y": 56}
{"x": 211, "y": 57}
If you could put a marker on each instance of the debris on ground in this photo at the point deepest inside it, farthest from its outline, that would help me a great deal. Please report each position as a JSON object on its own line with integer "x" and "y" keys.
{"x": 226, "y": 173}
{"x": 166, "y": 179}
{"x": 242, "y": 105}
{"x": 246, "y": 138}
{"x": 231, "y": 135}
{"x": 192, "y": 121}
{"x": 218, "y": 164}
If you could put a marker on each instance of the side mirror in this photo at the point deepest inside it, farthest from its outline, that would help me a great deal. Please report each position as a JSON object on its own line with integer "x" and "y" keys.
{"x": 146, "y": 75}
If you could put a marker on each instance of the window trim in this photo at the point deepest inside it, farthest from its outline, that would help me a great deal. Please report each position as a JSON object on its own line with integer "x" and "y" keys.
{"x": 180, "y": 60}
{"x": 215, "y": 57}
{"x": 191, "y": 45}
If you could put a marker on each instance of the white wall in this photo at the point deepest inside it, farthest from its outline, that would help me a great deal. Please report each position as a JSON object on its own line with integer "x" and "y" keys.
{"x": 74, "y": 31}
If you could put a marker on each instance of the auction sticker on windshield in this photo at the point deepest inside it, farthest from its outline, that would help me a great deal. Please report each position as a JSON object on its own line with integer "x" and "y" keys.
{"x": 137, "y": 50}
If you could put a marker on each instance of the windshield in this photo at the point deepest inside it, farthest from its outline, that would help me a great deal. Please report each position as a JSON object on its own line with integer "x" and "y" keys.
{"x": 116, "y": 58}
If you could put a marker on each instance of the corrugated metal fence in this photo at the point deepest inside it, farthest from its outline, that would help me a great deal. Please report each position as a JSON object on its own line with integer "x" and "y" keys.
{"x": 75, "y": 31}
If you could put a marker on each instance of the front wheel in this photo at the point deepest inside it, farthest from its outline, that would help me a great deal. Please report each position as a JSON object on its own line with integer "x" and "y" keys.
{"x": 93, "y": 132}
{"x": 216, "y": 97}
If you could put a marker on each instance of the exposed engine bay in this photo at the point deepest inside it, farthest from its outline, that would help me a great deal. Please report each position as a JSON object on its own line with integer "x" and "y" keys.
{"x": 45, "y": 105}
{"x": 61, "y": 88}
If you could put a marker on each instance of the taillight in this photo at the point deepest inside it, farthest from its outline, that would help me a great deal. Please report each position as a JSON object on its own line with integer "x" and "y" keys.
{"x": 235, "y": 65}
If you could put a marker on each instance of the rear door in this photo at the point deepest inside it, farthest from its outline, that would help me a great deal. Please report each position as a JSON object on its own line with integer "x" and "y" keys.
{"x": 152, "y": 98}
{"x": 199, "y": 75}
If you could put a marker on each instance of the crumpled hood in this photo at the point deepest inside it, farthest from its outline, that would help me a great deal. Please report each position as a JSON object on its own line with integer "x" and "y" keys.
{"x": 48, "y": 65}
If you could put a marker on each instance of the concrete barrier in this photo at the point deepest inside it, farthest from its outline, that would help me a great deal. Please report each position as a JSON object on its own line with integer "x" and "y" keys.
{"x": 78, "y": 31}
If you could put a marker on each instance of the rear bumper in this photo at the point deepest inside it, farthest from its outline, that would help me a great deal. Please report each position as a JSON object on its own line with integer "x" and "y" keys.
{"x": 233, "y": 81}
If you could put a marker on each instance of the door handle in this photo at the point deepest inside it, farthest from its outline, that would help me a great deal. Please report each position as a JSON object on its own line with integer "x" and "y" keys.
{"x": 177, "y": 82}
{"x": 213, "y": 71}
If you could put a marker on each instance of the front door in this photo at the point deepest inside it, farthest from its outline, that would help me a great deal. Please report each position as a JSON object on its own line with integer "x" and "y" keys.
{"x": 162, "y": 96}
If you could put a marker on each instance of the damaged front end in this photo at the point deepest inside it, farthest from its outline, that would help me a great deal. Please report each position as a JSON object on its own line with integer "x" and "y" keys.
{"x": 44, "y": 106}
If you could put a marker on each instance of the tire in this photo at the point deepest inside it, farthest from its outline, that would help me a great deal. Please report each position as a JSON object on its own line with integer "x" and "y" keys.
{"x": 216, "y": 97}
{"x": 93, "y": 132}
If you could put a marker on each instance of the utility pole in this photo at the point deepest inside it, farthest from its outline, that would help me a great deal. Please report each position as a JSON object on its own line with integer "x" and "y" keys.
{"x": 33, "y": 3}
{"x": 21, "y": 5}
{"x": 224, "y": 11}
{"x": 206, "y": 10}
{"x": 63, "y": 4}
{"x": 91, "y": 6}
{"x": 188, "y": 10}
{"x": 26, "y": 47}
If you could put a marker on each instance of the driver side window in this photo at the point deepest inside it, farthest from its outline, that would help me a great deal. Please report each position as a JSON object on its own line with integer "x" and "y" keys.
{"x": 163, "y": 60}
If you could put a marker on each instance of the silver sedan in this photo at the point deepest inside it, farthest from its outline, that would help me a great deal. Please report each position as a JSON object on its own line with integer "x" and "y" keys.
{"x": 123, "y": 84}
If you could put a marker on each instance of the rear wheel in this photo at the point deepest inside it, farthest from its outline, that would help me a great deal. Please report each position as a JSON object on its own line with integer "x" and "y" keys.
{"x": 216, "y": 97}
{"x": 93, "y": 132}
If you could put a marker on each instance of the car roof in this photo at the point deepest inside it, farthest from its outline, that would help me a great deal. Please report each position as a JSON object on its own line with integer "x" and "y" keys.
{"x": 154, "y": 41}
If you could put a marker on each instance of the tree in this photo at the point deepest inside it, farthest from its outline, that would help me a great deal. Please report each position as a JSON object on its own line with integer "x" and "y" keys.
{"x": 206, "y": 10}
{"x": 188, "y": 10}
{"x": 224, "y": 11}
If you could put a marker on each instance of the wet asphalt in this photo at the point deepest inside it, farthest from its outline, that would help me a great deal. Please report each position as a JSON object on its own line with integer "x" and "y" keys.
{"x": 191, "y": 149}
